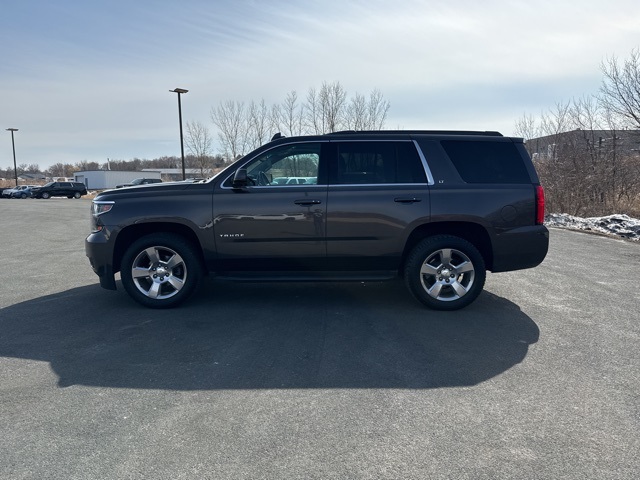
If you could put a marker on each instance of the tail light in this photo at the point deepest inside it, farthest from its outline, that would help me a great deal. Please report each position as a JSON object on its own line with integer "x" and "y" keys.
{"x": 539, "y": 205}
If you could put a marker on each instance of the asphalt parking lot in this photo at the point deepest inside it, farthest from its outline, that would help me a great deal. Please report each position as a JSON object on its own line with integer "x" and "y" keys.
{"x": 539, "y": 378}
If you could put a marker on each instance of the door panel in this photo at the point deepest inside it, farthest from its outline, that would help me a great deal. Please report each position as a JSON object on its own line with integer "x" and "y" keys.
{"x": 274, "y": 223}
{"x": 377, "y": 189}
{"x": 366, "y": 225}
{"x": 281, "y": 228}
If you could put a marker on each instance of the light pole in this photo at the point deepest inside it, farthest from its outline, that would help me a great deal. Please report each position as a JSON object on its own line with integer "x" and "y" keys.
{"x": 180, "y": 91}
{"x": 13, "y": 145}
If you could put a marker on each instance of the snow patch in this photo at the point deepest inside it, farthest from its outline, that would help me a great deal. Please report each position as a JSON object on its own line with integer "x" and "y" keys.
{"x": 617, "y": 225}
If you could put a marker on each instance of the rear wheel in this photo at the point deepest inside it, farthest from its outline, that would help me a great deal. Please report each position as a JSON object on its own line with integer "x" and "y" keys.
{"x": 445, "y": 272}
{"x": 76, "y": 195}
{"x": 160, "y": 270}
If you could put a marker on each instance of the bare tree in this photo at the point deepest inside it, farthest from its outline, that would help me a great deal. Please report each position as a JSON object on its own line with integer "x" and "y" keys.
{"x": 258, "y": 125}
{"x": 198, "y": 142}
{"x": 288, "y": 117}
{"x": 378, "y": 110}
{"x": 332, "y": 100}
{"x": 59, "y": 170}
{"x": 313, "y": 113}
{"x": 363, "y": 114}
{"x": 325, "y": 109}
{"x": 556, "y": 120}
{"x": 357, "y": 114}
{"x": 527, "y": 127}
{"x": 85, "y": 165}
{"x": 620, "y": 90}
{"x": 580, "y": 160}
{"x": 229, "y": 117}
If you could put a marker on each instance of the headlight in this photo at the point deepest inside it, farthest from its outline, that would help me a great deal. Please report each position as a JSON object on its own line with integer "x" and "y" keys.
{"x": 100, "y": 207}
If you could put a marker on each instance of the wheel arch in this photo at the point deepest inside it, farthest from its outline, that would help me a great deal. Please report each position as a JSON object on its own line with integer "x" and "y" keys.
{"x": 131, "y": 233}
{"x": 474, "y": 233}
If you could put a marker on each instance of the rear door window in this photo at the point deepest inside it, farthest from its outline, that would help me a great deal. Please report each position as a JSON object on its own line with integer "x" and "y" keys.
{"x": 378, "y": 162}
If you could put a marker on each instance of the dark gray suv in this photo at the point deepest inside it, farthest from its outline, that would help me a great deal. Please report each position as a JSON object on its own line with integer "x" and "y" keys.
{"x": 438, "y": 208}
{"x": 60, "y": 189}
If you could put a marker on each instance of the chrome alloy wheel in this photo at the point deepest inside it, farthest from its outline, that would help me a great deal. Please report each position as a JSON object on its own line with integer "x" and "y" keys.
{"x": 159, "y": 272}
{"x": 447, "y": 274}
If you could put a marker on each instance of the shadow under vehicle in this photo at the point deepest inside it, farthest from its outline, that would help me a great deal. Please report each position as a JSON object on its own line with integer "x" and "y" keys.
{"x": 339, "y": 335}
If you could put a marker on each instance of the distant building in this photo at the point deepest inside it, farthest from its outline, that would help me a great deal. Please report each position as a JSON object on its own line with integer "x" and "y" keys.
{"x": 31, "y": 177}
{"x": 550, "y": 146}
{"x": 104, "y": 179}
{"x": 175, "y": 174}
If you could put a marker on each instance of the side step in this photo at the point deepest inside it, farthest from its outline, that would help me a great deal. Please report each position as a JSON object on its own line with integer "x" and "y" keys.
{"x": 375, "y": 276}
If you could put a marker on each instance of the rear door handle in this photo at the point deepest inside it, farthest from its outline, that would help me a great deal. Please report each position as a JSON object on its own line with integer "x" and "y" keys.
{"x": 407, "y": 200}
{"x": 307, "y": 203}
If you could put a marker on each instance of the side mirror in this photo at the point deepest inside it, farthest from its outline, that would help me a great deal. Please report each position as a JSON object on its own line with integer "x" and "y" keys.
{"x": 240, "y": 178}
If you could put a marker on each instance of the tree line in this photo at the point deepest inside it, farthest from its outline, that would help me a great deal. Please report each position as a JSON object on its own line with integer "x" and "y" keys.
{"x": 590, "y": 165}
{"x": 135, "y": 165}
{"x": 243, "y": 127}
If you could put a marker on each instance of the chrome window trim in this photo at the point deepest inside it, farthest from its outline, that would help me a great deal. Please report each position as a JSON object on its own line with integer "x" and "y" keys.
{"x": 336, "y": 185}
{"x": 425, "y": 165}
{"x": 273, "y": 187}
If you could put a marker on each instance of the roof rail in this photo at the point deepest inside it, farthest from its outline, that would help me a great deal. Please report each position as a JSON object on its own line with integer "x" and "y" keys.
{"x": 416, "y": 132}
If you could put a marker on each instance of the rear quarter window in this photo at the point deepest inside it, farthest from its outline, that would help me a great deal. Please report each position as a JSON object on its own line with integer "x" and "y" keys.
{"x": 487, "y": 162}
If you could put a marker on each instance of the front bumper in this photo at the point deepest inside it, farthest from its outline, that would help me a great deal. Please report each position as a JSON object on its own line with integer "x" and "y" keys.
{"x": 100, "y": 253}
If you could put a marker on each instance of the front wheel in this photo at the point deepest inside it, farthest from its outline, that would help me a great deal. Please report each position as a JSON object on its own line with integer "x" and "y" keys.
{"x": 160, "y": 270}
{"x": 445, "y": 272}
{"x": 45, "y": 195}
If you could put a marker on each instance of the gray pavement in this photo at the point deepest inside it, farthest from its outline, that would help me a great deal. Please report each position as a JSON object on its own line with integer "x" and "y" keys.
{"x": 538, "y": 379}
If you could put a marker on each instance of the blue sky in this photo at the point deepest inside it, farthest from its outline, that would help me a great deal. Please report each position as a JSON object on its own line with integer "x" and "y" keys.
{"x": 90, "y": 80}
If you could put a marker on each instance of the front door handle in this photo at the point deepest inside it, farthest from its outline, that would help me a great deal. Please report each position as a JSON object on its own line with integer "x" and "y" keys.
{"x": 406, "y": 200}
{"x": 307, "y": 202}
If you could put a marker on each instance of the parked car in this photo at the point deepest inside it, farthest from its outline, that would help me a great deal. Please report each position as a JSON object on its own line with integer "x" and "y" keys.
{"x": 7, "y": 192}
{"x": 26, "y": 192}
{"x": 140, "y": 181}
{"x": 21, "y": 191}
{"x": 292, "y": 180}
{"x": 437, "y": 208}
{"x": 60, "y": 189}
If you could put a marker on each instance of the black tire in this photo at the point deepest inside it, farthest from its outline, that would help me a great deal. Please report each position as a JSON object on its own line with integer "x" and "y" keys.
{"x": 77, "y": 195}
{"x": 445, "y": 272}
{"x": 168, "y": 270}
{"x": 45, "y": 195}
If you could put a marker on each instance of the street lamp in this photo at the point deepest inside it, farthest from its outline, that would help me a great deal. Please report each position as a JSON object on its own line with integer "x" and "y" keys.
{"x": 13, "y": 145}
{"x": 179, "y": 91}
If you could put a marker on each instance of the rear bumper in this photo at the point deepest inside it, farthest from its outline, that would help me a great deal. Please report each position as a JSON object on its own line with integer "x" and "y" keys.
{"x": 520, "y": 248}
